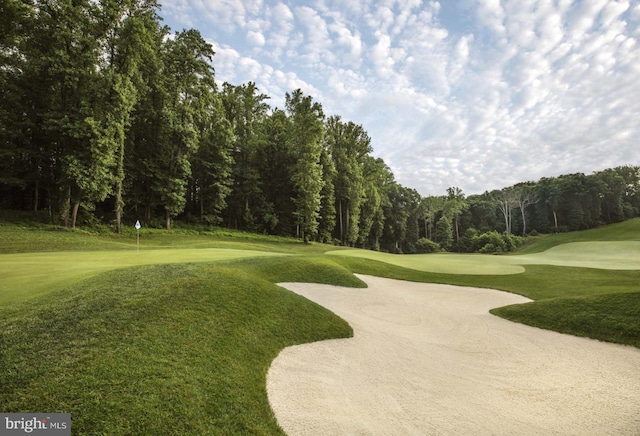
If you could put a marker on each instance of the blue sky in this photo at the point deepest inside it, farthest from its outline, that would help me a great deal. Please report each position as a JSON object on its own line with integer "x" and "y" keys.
{"x": 479, "y": 94}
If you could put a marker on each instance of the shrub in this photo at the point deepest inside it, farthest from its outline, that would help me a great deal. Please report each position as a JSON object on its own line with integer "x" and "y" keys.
{"x": 425, "y": 245}
{"x": 466, "y": 240}
{"x": 494, "y": 242}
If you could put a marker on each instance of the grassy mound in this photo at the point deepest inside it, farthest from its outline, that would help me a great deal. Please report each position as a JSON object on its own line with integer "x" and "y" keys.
{"x": 611, "y": 318}
{"x": 165, "y": 349}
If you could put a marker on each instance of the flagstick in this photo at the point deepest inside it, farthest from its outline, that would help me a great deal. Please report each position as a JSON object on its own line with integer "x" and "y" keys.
{"x": 138, "y": 225}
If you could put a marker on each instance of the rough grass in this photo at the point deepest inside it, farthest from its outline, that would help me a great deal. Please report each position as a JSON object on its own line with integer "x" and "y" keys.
{"x": 611, "y": 318}
{"x": 166, "y": 349}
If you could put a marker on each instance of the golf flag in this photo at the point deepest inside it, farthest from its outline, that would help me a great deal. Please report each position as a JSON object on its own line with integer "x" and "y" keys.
{"x": 138, "y": 225}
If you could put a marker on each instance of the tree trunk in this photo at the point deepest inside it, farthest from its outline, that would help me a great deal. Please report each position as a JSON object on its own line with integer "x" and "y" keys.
{"x": 457, "y": 232}
{"x": 341, "y": 226}
{"x": 74, "y": 214}
{"x": 36, "y": 196}
{"x": 347, "y": 227}
{"x": 119, "y": 207}
{"x": 66, "y": 205}
{"x": 555, "y": 220}
{"x": 167, "y": 224}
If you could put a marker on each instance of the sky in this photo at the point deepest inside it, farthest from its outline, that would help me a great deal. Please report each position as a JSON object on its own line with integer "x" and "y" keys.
{"x": 477, "y": 94}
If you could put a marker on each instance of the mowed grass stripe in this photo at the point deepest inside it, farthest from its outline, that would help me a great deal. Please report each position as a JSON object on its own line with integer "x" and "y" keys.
{"x": 26, "y": 275}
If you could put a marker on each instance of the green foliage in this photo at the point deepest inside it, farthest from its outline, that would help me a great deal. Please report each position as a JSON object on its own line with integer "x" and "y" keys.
{"x": 425, "y": 245}
{"x": 306, "y": 136}
{"x": 494, "y": 242}
{"x": 106, "y": 116}
{"x": 444, "y": 233}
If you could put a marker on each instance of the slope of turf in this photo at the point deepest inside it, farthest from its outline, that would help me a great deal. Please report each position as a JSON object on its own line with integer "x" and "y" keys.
{"x": 33, "y": 238}
{"x": 611, "y": 318}
{"x": 624, "y": 231}
{"x": 167, "y": 349}
{"x": 26, "y": 275}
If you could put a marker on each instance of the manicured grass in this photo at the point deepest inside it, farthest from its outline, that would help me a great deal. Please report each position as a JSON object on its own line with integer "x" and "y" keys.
{"x": 26, "y": 275}
{"x": 451, "y": 263}
{"x": 166, "y": 349}
{"x": 25, "y": 238}
{"x": 611, "y": 318}
{"x": 183, "y": 347}
{"x": 624, "y": 231}
{"x": 612, "y": 255}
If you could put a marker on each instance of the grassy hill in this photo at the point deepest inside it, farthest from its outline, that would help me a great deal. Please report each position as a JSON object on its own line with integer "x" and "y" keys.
{"x": 177, "y": 339}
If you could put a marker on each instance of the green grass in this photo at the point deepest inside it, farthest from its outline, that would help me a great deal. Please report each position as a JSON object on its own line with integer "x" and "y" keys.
{"x": 452, "y": 263}
{"x": 26, "y": 238}
{"x": 182, "y": 347}
{"x": 624, "y": 231}
{"x": 166, "y": 349}
{"x": 611, "y": 318}
{"x": 26, "y": 275}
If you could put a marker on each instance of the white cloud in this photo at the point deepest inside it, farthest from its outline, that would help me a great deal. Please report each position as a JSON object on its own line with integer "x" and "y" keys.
{"x": 256, "y": 38}
{"x": 499, "y": 92}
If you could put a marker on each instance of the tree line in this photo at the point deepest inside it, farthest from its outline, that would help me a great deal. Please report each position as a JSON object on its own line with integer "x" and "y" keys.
{"x": 108, "y": 116}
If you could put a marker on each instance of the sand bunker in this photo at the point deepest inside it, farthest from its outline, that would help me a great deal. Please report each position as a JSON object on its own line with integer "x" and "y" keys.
{"x": 430, "y": 359}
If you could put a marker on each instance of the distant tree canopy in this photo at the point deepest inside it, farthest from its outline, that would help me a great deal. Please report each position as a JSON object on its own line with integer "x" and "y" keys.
{"x": 107, "y": 116}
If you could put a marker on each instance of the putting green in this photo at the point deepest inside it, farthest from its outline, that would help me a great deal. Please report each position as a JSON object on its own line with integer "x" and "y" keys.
{"x": 449, "y": 263}
{"x": 612, "y": 255}
{"x": 26, "y": 275}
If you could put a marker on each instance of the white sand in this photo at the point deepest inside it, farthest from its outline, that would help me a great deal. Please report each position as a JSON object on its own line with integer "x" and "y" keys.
{"x": 429, "y": 359}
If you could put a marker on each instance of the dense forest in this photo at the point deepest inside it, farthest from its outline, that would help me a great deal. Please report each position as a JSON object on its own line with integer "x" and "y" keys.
{"x": 107, "y": 116}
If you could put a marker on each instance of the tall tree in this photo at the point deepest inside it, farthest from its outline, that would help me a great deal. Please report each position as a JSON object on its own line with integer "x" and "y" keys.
{"x": 377, "y": 178}
{"x": 307, "y": 132}
{"x": 246, "y": 109}
{"x": 130, "y": 28}
{"x": 212, "y": 162}
{"x": 430, "y": 206}
{"x": 454, "y": 205}
{"x": 83, "y": 155}
{"x": 274, "y": 165}
{"x": 505, "y": 200}
{"x": 523, "y": 196}
{"x": 349, "y": 144}
{"x": 188, "y": 78}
